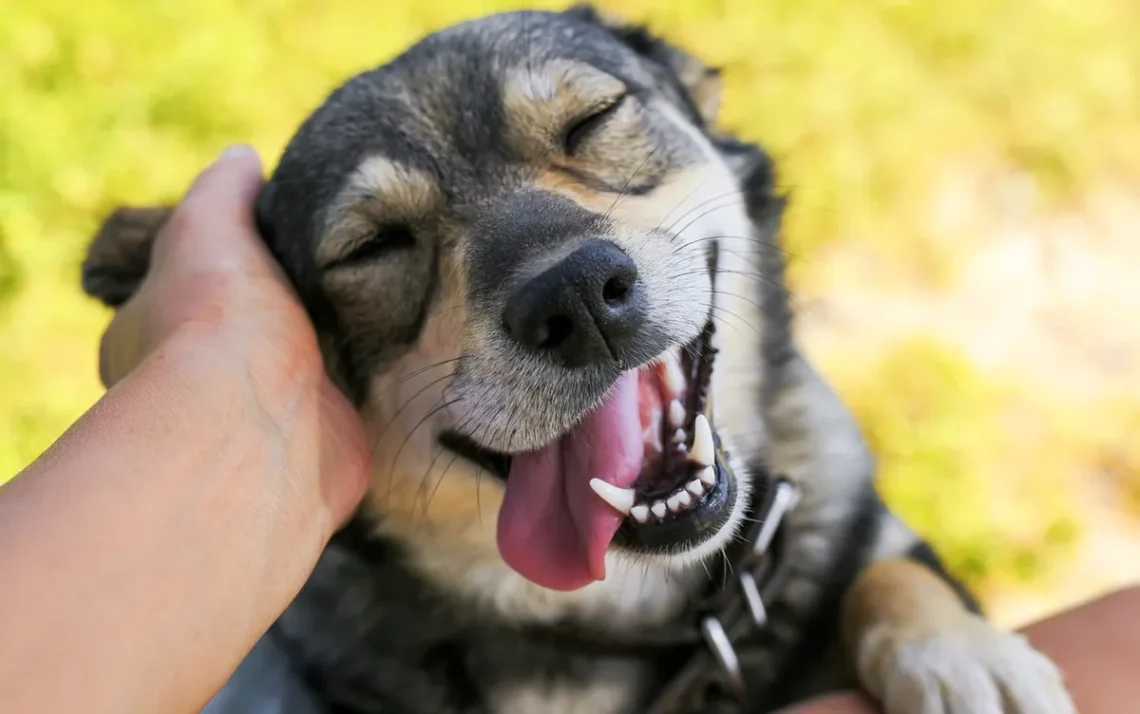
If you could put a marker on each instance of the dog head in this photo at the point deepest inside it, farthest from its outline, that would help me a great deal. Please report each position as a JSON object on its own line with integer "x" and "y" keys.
{"x": 513, "y": 240}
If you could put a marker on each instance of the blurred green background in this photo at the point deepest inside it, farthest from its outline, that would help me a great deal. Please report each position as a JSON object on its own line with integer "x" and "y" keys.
{"x": 964, "y": 230}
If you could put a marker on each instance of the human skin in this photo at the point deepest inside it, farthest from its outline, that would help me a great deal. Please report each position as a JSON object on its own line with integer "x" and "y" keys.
{"x": 152, "y": 545}
{"x": 1096, "y": 645}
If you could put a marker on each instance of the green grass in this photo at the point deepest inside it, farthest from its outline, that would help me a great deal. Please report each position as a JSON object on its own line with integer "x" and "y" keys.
{"x": 864, "y": 104}
{"x": 959, "y": 453}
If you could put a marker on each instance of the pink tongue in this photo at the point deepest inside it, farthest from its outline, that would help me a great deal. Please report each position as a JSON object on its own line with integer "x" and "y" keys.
{"x": 553, "y": 529}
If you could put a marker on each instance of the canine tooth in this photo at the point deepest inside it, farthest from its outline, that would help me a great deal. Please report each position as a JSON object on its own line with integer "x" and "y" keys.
{"x": 620, "y": 498}
{"x": 695, "y": 487}
{"x": 702, "y": 452}
{"x": 684, "y": 498}
{"x": 679, "y": 436}
{"x": 707, "y": 476}
{"x": 640, "y": 513}
{"x": 674, "y": 380}
{"x": 676, "y": 413}
{"x": 674, "y": 503}
{"x": 659, "y": 509}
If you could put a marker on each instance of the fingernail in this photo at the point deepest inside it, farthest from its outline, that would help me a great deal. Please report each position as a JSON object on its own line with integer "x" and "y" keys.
{"x": 238, "y": 151}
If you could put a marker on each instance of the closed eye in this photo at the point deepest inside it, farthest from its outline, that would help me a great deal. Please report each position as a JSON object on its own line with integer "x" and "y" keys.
{"x": 585, "y": 126}
{"x": 379, "y": 243}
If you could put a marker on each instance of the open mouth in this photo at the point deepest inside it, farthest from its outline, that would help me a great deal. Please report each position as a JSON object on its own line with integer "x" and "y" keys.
{"x": 645, "y": 471}
{"x": 684, "y": 491}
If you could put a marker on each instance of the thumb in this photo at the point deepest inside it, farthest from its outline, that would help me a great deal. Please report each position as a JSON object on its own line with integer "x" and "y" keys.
{"x": 213, "y": 224}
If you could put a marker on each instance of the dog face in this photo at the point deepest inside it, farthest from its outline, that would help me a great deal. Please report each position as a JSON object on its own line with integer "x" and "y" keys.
{"x": 512, "y": 240}
{"x": 513, "y": 229}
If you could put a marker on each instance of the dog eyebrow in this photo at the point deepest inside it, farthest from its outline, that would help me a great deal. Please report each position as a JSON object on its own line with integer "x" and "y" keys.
{"x": 378, "y": 190}
{"x": 546, "y": 95}
{"x": 379, "y": 175}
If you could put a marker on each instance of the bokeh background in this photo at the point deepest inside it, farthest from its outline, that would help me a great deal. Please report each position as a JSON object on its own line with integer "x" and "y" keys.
{"x": 964, "y": 229}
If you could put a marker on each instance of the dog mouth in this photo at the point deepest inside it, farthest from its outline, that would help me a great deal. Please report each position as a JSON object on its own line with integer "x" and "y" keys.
{"x": 685, "y": 489}
{"x": 644, "y": 472}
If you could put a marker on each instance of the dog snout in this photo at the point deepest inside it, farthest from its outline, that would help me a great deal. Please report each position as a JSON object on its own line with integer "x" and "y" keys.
{"x": 586, "y": 309}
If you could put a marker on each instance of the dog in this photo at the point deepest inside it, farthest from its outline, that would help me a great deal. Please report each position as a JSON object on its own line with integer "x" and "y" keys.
{"x": 605, "y": 478}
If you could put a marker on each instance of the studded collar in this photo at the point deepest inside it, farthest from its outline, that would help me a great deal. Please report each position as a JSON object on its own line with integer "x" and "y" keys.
{"x": 705, "y": 642}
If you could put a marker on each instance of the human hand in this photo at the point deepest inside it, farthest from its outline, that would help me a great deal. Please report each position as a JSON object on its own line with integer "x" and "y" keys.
{"x": 214, "y": 296}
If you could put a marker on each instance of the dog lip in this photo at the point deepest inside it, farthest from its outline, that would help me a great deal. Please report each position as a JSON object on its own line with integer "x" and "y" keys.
{"x": 675, "y": 532}
{"x": 496, "y": 463}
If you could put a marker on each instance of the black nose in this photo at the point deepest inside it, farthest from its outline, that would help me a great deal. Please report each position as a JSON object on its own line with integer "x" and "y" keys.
{"x": 585, "y": 309}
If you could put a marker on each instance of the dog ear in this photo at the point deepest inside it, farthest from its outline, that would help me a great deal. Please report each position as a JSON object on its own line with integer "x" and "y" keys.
{"x": 119, "y": 255}
{"x": 700, "y": 86}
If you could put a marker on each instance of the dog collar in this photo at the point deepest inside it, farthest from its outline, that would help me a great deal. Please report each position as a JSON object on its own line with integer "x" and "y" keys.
{"x": 707, "y": 641}
{"x": 733, "y": 616}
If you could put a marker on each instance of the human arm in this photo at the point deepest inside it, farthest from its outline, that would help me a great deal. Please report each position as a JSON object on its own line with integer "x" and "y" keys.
{"x": 146, "y": 551}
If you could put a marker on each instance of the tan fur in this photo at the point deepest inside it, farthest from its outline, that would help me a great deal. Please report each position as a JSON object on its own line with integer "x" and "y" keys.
{"x": 902, "y": 595}
{"x": 540, "y": 101}
{"x": 567, "y": 186}
{"x": 918, "y": 650}
{"x": 380, "y": 191}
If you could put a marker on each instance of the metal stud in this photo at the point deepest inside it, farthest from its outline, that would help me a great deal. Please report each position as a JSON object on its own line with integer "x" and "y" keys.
{"x": 786, "y": 498}
{"x": 724, "y": 652}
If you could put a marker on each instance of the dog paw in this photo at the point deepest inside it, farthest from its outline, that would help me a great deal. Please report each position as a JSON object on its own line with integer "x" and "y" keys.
{"x": 970, "y": 669}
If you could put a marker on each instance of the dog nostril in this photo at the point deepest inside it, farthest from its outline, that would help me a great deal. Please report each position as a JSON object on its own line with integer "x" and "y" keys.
{"x": 585, "y": 309}
{"x": 615, "y": 290}
{"x": 554, "y": 332}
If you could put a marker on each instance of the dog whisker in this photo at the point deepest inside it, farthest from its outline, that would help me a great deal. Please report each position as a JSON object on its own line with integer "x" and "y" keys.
{"x": 622, "y": 193}
{"x": 394, "y": 419}
{"x": 395, "y": 459}
{"x": 427, "y": 368}
{"x": 692, "y": 209}
{"x": 704, "y": 214}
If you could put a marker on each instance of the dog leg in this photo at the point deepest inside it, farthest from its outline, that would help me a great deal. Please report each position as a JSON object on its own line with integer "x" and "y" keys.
{"x": 919, "y": 649}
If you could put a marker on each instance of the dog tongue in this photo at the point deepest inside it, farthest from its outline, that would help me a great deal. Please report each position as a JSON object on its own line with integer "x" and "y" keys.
{"x": 553, "y": 529}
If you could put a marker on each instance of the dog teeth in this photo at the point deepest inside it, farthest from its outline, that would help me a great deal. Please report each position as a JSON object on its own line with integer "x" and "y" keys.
{"x": 676, "y": 413}
{"x": 707, "y": 475}
{"x": 640, "y": 513}
{"x": 702, "y": 452}
{"x": 695, "y": 487}
{"x": 620, "y": 498}
{"x": 679, "y": 437}
{"x": 674, "y": 380}
{"x": 681, "y": 499}
{"x": 659, "y": 509}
